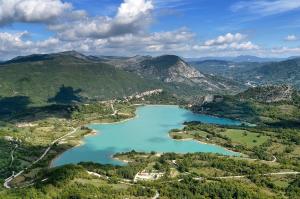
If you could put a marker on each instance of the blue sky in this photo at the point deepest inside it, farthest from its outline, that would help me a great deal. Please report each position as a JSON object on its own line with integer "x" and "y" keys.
{"x": 193, "y": 28}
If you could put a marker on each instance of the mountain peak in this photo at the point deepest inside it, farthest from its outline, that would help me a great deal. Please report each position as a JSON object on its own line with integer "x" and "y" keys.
{"x": 71, "y": 53}
{"x": 169, "y": 68}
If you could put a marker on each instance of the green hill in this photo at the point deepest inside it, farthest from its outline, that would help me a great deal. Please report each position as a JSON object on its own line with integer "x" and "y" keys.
{"x": 70, "y": 76}
{"x": 43, "y": 78}
{"x": 285, "y": 72}
{"x": 267, "y": 105}
{"x": 269, "y": 94}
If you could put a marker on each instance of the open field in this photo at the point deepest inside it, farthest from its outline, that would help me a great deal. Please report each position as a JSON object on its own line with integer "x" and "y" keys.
{"x": 256, "y": 142}
{"x": 246, "y": 138}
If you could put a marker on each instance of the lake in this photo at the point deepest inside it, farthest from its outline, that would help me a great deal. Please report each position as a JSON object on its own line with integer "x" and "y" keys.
{"x": 147, "y": 132}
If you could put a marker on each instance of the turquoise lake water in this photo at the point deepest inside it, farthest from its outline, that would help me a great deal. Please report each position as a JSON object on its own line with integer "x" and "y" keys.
{"x": 145, "y": 133}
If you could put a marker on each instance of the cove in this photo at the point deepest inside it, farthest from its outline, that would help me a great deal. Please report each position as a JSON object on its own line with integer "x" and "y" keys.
{"x": 147, "y": 132}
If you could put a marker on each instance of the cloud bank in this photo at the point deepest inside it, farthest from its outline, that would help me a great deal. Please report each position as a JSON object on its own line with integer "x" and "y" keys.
{"x": 32, "y": 10}
{"x": 125, "y": 33}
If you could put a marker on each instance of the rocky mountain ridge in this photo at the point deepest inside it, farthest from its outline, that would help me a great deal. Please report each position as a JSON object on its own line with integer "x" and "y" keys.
{"x": 173, "y": 69}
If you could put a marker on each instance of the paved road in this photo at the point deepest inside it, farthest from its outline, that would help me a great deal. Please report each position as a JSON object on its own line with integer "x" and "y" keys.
{"x": 9, "y": 179}
{"x": 52, "y": 143}
{"x": 12, "y": 155}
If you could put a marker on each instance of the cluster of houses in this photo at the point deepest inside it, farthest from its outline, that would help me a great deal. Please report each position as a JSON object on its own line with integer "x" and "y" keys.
{"x": 148, "y": 176}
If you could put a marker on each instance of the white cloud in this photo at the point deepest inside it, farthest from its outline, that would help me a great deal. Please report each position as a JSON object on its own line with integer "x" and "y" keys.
{"x": 133, "y": 16}
{"x": 230, "y": 41}
{"x": 244, "y": 46}
{"x": 13, "y": 40}
{"x": 13, "y": 44}
{"x": 225, "y": 39}
{"x": 181, "y": 41}
{"x": 286, "y": 51}
{"x": 266, "y": 7}
{"x": 291, "y": 38}
{"x": 125, "y": 33}
{"x": 132, "y": 10}
{"x": 32, "y": 10}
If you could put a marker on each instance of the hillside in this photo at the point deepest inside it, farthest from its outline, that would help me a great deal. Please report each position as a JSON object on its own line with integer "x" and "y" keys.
{"x": 268, "y": 105}
{"x": 73, "y": 77}
{"x": 285, "y": 72}
{"x": 172, "y": 69}
{"x": 227, "y": 69}
{"x": 44, "y": 78}
{"x": 269, "y": 94}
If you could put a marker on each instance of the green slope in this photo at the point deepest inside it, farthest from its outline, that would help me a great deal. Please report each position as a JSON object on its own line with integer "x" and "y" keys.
{"x": 43, "y": 78}
{"x": 271, "y": 105}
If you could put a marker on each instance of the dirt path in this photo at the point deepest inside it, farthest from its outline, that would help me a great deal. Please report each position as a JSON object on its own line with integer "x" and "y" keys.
{"x": 267, "y": 174}
{"x": 156, "y": 195}
{"x": 113, "y": 109}
{"x": 274, "y": 159}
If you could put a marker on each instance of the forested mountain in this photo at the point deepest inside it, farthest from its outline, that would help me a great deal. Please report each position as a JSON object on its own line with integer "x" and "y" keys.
{"x": 269, "y": 94}
{"x": 285, "y": 72}
{"x": 254, "y": 73}
{"x": 44, "y": 77}
{"x": 271, "y": 105}
{"x": 70, "y": 76}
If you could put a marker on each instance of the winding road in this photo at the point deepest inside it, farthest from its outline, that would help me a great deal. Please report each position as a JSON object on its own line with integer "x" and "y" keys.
{"x": 12, "y": 155}
{"x": 9, "y": 179}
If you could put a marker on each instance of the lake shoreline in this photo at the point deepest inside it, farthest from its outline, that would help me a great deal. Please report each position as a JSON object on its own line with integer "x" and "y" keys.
{"x": 97, "y": 132}
{"x": 92, "y": 133}
{"x": 201, "y": 142}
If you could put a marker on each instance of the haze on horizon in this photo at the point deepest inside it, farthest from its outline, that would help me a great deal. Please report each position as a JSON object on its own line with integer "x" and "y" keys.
{"x": 195, "y": 28}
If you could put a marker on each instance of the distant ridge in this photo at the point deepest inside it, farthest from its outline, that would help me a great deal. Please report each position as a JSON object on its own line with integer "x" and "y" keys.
{"x": 284, "y": 72}
{"x": 242, "y": 58}
{"x": 254, "y": 73}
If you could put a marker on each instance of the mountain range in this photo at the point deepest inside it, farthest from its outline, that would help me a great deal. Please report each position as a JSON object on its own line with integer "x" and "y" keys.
{"x": 241, "y": 58}
{"x": 254, "y": 73}
{"x": 45, "y": 78}
{"x": 70, "y": 75}
{"x": 173, "y": 69}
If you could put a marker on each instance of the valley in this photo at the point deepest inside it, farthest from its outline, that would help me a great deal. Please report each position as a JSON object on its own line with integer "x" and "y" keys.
{"x": 64, "y": 132}
{"x": 149, "y": 99}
